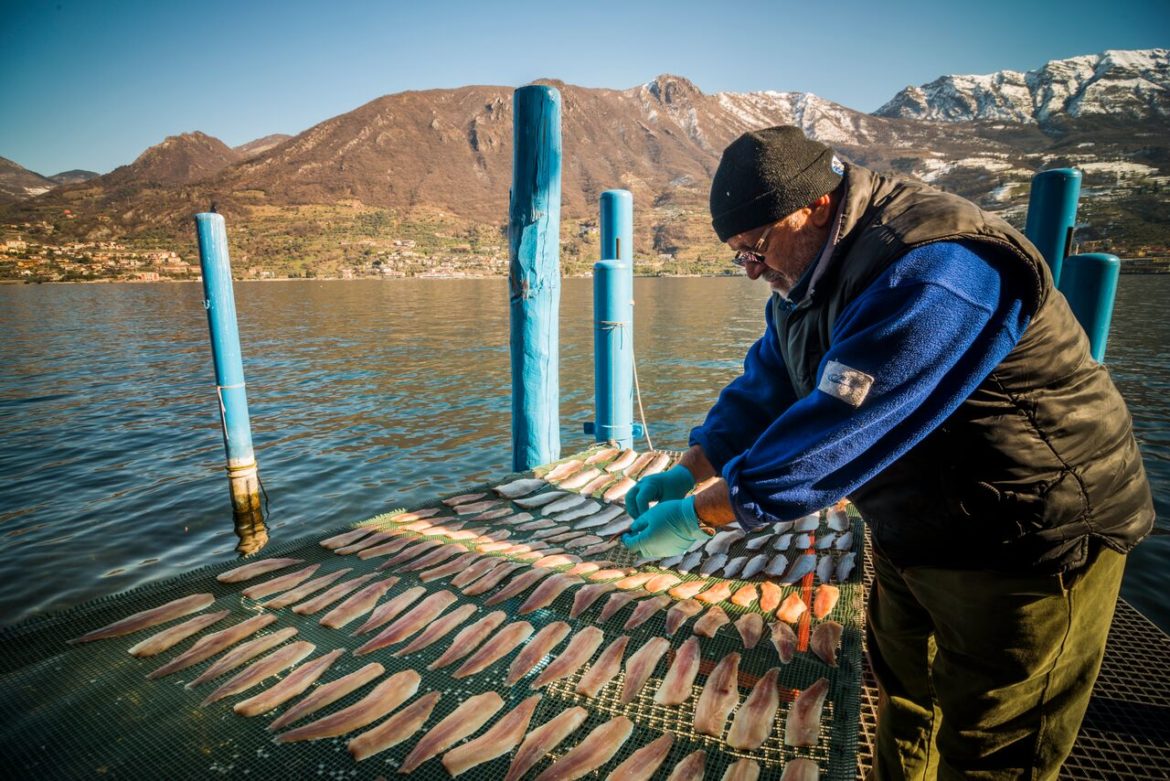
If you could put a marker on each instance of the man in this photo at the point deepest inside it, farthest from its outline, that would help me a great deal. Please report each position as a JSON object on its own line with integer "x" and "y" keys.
{"x": 917, "y": 359}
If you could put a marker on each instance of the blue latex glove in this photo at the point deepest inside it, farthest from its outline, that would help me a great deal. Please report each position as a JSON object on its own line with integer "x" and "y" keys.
{"x": 674, "y": 483}
{"x": 666, "y": 529}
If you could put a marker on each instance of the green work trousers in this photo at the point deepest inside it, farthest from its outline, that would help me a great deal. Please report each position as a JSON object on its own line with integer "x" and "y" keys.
{"x": 985, "y": 675}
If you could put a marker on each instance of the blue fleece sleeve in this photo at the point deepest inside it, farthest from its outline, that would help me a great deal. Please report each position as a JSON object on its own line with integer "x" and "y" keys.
{"x": 749, "y": 404}
{"x": 927, "y": 331}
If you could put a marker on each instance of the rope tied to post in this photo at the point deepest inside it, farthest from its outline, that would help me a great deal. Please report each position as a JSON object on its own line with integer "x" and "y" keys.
{"x": 219, "y": 389}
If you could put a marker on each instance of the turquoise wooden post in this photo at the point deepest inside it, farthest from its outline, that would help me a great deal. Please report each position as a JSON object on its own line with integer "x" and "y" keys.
{"x": 1052, "y": 213}
{"x": 220, "y": 303}
{"x": 1089, "y": 282}
{"x": 534, "y": 275}
{"x": 613, "y": 353}
{"x": 617, "y": 228}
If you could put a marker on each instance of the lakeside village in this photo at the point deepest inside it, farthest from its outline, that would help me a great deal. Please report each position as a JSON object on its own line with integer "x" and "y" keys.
{"x": 30, "y": 261}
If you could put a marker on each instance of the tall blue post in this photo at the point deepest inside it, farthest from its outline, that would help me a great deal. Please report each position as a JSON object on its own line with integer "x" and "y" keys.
{"x": 534, "y": 275}
{"x": 1089, "y": 282}
{"x": 220, "y": 303}
{"x": 613, "y": 353}
{"x": 1052, "y": 214}
{"x": 617, "y": 227}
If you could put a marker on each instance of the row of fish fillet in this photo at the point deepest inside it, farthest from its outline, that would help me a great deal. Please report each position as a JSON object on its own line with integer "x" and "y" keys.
{"x": 462, "y": 553}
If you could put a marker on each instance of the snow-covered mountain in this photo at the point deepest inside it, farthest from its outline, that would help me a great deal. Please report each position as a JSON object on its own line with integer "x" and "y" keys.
{"x": 1132, "y": 85}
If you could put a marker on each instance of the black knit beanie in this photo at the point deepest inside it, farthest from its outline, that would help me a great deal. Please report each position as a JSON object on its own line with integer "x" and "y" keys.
{"x": 765, "y": 175}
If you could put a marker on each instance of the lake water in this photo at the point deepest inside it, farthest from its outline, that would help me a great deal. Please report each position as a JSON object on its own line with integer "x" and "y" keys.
{"x": 365, "y": 396}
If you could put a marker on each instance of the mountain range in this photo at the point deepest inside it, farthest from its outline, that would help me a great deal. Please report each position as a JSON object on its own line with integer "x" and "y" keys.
{"x": 432, "y": 169}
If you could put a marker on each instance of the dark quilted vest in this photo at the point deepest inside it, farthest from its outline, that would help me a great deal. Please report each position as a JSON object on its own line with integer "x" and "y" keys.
{"x": 1038, "y": 462}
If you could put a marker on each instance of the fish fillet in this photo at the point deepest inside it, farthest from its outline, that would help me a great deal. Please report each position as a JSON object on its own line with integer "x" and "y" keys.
{"x": 243, "y": 654}
{"x": 755, "y": 543}
{"x": 328, "y": 693}
{"x": 270, "y": 665}
{"x": 296, "y": 682}
{"x": 455, "y": 565}
{"x": 801, "y": 567}
{"x": 770, "y": 596}
{"x": 256, "y": 568}
{"x": 538, "y": 525}
{"x": 599, "y": 518}
{"x": 562, "y": 537}
{"x": 475, "y": 570}
{"x": 792, "y": 608}
{"x": 580, "y": 511}
{"x": 469, "y": 639}
{"x": 597, "y": 484}
{"x": 713, "y": 564}
{"x": 358, "y": 604}
{"x": 377, "y": 538}
{"x": 838, "y": 520}
{"x": 690, "y": 767}
{"x": 465, "y": 720}
{"x": 207, "y": 647}
{"x": 717, "y": 593}
{"x": 615, "y": 603}
{"x": 496, "y": 648}
{"x": 393, "y": 545}
{"x": 676, "y": 686}
{"x": 169, "y": 638}
{"x": 824, "y": 641}
{"x": 604, "y": 669}
{"x": 712, "y": 620}
{"x": 563, "y": 469}
{"x": 588, "y": 540}
{"x": 658, "y": 464}
{"x": 493, "y": 515}
{"x": 733, "y": 566}
{"x": 406, "y": 554}
{"x": 580, "y": 479}
{"x": 518, "y": 488}
{"x": 598, "y": 747}
{"x": 803, "y": 725}
{"x": 437, "y": 630}
{"x": 382, "y": 699}
{"x": 624, "y": 460}
{"x": 721, "y": 542}
{"x": 492, "y": 579}
{"x": 305, "y": 589}
{"x": 610, "y": 573}
{"x": 585, "y": 596}
{"x": 720, "y": 695}
{"x": 745, "y": 596}
{"x": 544, "y": 739}
{"x": 475, "y": 507}
{"x": 282, "y": 583}
{"x": 617, "y": 492}
{"x": 825, "y": 568}
{"x": 636, "y": 580}
{"x": 327, "y": 598}
{"x": 600, "y": 547}
{"x": 640, "y": 666}
{"x": 800, "y": 769}
{"x": 389, "y": 611}
{"x": 406, "y": 625}
{"x": 742, "y": 770}
{"x": 501, "y": 737}
{"x": 808, "y": 523}
{"x": 754, "y": 566}
{"x": 844, "y": 567}
{"x": 345, "y": 538}
{"x": 688, "y": 590}
{"x": 580, "y": 650}
{"x": 640, "y": 463}
{"x": 753, "y": 721}
{"x": 147, "y": 618}
{"x": 452, "y": 501}
{"x": 784, "y": 639}
{"x": 661, "y": 582}
{"x": 395, "y": 729}
{"x": 844, "y": 542}
{"x": 617, "y": 526}
{"x": 777, "y": 566}
{"x": 584, "y": 568}
{"x": 642, "y": 764}
{"x": 519, "y": 584}
{"x": 751, "y": 629}
{"x": 680, "y": 613}
{"x": 825, "y": 600}
{"x": 601, "y": 456}
{"x": 556, "y": 559}
{"x": 540, "y": 500}
{"x": 645, "y": 609}
{"x": 434, "y": 558}
{"x": 545, "y": 640}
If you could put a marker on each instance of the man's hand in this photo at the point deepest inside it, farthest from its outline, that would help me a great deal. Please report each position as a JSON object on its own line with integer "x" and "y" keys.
{"x": 674, "y": 483}
{"x": 667, "y": 529}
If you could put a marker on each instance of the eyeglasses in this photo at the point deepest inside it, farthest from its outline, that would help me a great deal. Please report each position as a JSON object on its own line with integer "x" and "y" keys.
{"x": 756, "y": 253}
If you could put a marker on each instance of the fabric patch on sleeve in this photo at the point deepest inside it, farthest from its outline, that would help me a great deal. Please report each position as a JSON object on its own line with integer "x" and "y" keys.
{"x": 849, "y": 385}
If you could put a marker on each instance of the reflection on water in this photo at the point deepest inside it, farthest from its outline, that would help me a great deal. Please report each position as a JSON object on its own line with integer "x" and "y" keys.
{"x": 364, "y": 396}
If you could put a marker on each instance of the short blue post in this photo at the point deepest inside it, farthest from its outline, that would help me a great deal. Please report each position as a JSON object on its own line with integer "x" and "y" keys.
{"x": 617, "y": 227}
{"x": 534, "y": 275}
{"x": 613, "y": 353}
{"x": 1089, "y": 282}
{"x": 1052, "y": 214}
{"x": 220, "y": 303}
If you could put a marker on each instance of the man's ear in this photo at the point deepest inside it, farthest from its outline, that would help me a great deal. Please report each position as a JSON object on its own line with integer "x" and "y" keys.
{"x": 822, "y": 210}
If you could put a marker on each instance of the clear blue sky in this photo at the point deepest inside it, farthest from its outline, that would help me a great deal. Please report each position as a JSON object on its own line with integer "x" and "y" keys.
{"x": 91, "y": 84}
